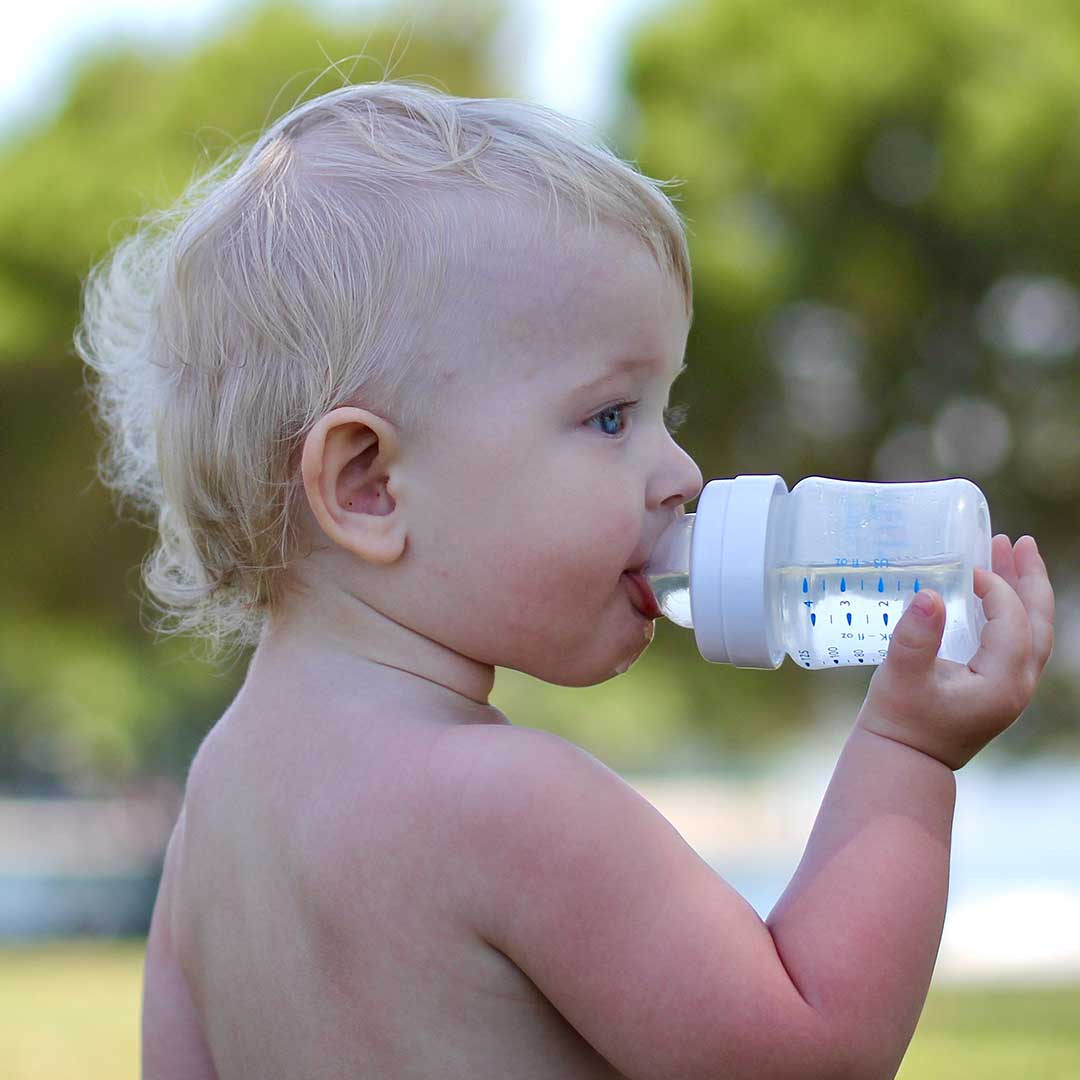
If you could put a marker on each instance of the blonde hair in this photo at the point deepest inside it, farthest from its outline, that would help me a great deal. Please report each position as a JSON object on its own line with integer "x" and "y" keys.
{"x": 295, "y": 276}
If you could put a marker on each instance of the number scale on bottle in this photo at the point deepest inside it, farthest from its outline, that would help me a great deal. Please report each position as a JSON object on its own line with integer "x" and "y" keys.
{"x": 843, "y": 614}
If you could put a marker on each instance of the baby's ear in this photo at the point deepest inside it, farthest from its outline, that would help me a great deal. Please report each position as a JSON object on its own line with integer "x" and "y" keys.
{"x": 348, "y": 468}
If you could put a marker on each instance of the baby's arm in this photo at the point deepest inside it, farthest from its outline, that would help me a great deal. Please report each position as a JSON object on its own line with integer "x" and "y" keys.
{"x": 664, "y": 968}
{"x": 879, "y": 850}
{"x": 859, "y": 925}
{"x": 660, "y": 964}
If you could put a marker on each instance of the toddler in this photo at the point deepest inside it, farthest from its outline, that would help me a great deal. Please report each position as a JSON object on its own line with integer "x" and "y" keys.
{"x": 395, "y": 385}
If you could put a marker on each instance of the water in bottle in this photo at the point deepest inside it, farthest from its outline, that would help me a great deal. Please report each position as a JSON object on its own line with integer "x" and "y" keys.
{"x": 836, "y": 615}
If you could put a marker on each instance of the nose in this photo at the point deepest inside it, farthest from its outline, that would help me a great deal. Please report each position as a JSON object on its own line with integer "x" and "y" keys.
{"x": 679, "y": 481}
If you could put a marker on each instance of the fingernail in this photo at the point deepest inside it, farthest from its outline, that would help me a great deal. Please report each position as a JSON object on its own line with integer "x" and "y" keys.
{"x": 923, "y": 604}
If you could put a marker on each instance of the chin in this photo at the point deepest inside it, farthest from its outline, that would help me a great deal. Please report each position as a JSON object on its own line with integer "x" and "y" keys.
{"x": 623, "y": 663}
{"x": 623, "y": 667}
{"x": 584, "y": 676}
{"x": 587, "y": 674}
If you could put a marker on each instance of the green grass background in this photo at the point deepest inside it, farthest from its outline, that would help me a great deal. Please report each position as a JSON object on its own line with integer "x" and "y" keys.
{"x": 71, "y": 1009}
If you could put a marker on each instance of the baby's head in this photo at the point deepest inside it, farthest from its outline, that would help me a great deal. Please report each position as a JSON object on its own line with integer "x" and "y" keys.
{"x": 346, "y": 373}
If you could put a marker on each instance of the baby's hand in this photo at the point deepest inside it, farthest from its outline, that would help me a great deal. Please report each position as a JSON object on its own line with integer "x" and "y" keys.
{"x": 949, "y": 710}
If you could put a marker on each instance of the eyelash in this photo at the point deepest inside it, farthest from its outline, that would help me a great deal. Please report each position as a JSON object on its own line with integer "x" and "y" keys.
{"x": 674, "y": 416}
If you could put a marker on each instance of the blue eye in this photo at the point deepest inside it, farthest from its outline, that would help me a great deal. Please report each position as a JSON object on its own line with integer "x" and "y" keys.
{"x": 674, "y": 417}
{"x": 611, "y": 410}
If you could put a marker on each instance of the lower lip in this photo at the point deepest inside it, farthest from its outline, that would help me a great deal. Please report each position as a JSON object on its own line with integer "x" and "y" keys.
{"x": 644, "y": 600}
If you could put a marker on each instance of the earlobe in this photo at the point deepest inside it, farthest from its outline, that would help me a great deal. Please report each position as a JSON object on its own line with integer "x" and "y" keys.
{"x": 378, "y": 539}
{"x": 350, "y": 462}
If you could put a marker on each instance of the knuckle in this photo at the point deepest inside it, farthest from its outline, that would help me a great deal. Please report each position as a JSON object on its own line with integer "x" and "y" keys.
{"x": 1021, "y": 690}
{"x": 1031, "y": 681}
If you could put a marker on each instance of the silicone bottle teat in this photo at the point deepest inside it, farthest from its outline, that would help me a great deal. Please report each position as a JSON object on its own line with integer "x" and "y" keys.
{"x": 668, "y": 571}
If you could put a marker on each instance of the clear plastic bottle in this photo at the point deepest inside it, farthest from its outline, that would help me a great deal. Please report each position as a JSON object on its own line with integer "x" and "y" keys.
{"x": 821, "y": 573}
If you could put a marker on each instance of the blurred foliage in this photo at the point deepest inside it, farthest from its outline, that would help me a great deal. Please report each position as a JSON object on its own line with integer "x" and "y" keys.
{"x": 890, "y": 164}
{"x": 885, "y": 237}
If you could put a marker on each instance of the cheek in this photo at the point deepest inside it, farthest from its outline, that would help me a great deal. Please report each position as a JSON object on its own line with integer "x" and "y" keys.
{"x": 537, "y": 528}
{"x": 564, "y": 545}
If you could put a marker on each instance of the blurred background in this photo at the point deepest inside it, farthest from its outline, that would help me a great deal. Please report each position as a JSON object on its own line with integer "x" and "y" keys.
{"x": 884, "y": 207}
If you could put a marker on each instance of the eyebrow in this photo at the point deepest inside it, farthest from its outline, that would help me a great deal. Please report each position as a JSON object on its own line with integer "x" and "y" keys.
{"x": 619, "y": 367}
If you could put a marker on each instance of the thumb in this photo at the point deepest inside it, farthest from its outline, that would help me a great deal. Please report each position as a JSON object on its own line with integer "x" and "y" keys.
{"x": 915, "y": 641}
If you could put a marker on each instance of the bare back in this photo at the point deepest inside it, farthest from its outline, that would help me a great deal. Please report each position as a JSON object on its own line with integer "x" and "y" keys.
{"x": 322, "y": 910}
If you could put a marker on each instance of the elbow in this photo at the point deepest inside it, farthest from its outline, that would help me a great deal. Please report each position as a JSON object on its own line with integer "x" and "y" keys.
{"x": 851, "y": 1056}
{"x": 828, "y": 1051}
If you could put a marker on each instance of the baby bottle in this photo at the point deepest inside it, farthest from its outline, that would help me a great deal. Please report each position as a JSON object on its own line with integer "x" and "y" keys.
{"x": 823, "y": 572}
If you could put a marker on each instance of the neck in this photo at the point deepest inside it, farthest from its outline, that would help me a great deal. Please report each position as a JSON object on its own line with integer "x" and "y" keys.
{"x": 341, "y": 643}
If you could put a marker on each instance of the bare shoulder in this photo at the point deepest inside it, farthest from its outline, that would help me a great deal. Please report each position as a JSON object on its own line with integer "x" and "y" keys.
{"x": 591, "y": 892}
{"x": 525, "y": 801}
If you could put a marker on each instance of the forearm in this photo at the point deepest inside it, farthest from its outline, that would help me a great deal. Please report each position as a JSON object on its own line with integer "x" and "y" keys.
{"x": 859, "y": 925}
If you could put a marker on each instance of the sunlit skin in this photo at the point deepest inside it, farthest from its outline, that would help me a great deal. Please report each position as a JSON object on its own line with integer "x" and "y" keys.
{"x": 377, "y": 874}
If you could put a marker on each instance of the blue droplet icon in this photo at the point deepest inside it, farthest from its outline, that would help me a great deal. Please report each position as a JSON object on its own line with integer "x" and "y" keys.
{"x": 886, "y": 618}
{"x": 843, "y": 585}
{"x": 880, "y": 585}
{"x": 849, "y": 618}
{"x": 916, "y": 584}
{"x": 813, "y": 619}
{"x": 805, "y": 587}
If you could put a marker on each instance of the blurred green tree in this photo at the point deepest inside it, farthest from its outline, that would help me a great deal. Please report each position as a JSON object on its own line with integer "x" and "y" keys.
{"x": 891, "y": 164}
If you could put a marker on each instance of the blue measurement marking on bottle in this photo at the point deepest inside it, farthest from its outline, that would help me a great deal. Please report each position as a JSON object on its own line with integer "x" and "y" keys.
{"x": 805, "y": 587}
{"x": 880, "y": 584}
{"x": 849, "y": 618}
{"x": 886, "y": 618}
{"x": 843, "y": 585}
{"x": 916, "y": 584}
{"x": 813, "y": 619}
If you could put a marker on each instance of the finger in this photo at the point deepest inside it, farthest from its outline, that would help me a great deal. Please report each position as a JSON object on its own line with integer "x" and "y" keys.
{"x": 1001, "y": 558}
{"x": 1006, "y": 642}
{"x": 1037, "y": 594}
{"x": 916, "y": 638}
